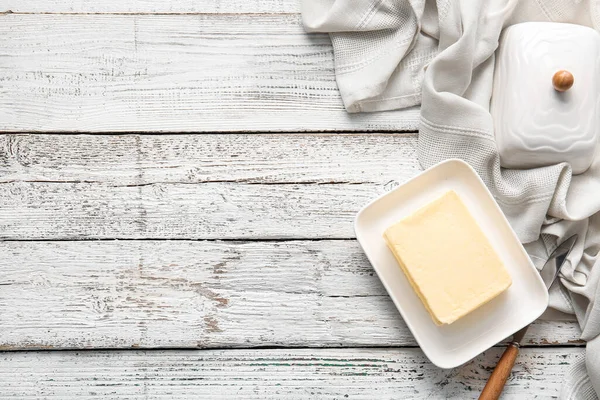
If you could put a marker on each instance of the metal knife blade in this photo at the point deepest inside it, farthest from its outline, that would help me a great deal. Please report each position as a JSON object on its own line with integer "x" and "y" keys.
{"x": 558, "y": 256}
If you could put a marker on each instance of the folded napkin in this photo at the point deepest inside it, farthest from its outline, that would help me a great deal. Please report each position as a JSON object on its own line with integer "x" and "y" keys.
{"x": 392, "y": 54}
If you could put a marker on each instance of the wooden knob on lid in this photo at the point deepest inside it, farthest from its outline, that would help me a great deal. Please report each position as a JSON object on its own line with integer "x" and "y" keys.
{"x": 562, "y": 80}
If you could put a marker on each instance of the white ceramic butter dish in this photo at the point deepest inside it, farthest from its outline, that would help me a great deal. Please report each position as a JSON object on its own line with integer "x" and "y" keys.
{"x": 448, "y": 346}
{"x": 538, "y": 118}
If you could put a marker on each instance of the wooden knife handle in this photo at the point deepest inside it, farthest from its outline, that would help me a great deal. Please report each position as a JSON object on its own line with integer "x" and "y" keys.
{"x": 493, "y": 387}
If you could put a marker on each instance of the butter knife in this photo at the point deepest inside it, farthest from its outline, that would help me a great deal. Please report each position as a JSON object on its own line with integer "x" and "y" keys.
{"x": 495, "y": 384}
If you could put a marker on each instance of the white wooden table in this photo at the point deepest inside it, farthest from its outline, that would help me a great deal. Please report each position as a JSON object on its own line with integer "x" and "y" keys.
{"x": 178, "y": 185}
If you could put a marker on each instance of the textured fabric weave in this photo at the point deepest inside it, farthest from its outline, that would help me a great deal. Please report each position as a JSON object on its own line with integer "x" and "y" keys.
{"x": 392, "y": 54}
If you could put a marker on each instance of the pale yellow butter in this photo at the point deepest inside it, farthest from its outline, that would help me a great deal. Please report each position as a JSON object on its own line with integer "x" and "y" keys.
{"x": 447, "y": 259}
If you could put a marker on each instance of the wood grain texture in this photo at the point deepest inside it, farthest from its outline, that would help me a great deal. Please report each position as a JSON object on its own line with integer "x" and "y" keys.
{"x": 190, "y": 158}
{"x": 74, "y": 211}
{"x": 189, "y": 294}
{"x": 173, "y": 73}
{"x": 272, "y": 374}
{"x": 194, "y": 187}
{"x": 151, "y": 6}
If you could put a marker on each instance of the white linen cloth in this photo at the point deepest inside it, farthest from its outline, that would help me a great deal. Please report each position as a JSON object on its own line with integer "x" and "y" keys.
{"x": 392, "y": 54}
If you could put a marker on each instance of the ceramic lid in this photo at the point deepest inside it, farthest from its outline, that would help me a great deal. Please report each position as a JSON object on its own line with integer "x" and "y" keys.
{"x": 535, "y": 124}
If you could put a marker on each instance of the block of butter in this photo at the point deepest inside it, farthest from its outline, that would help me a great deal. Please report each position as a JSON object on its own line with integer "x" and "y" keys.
{"x": 447, "y": 259}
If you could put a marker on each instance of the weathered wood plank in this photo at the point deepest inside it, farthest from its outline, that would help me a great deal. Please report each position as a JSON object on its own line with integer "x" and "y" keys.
{"x": 199, "y": 187}
{"x": 174, "y": 73}
{"x": 115, "y": 294}
{"x": 191, "y": 158}
{"x": 73, "y": 211}
{"x": 273, "y": 374}
{"x": 151, "y": 6}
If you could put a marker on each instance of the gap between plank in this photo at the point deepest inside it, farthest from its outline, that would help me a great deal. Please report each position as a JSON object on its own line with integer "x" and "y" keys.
{"x": 232, "y": 181}
{"x": 132, "y": 13}
{"x": 238, "y": 132}
{"x": 234, "y": 240}
{"x": 167, "y": 348}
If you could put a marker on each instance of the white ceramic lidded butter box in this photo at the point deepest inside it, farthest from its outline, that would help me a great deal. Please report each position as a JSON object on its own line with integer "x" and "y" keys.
{"x": 546, "y": 96}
